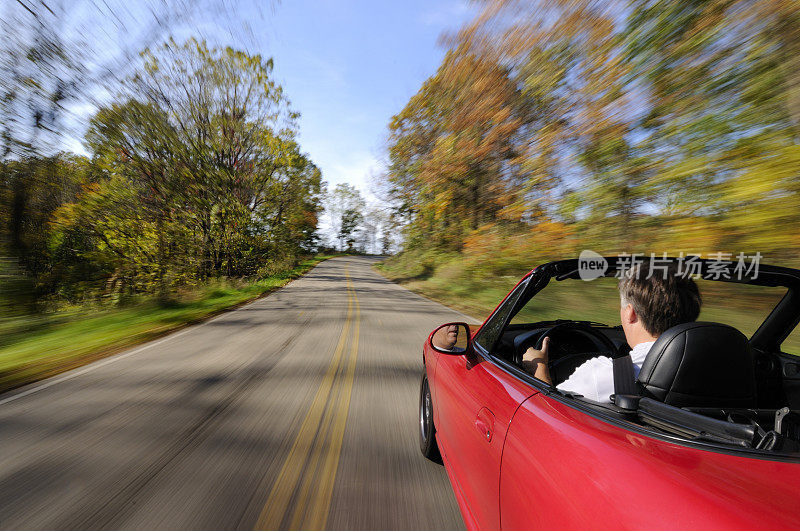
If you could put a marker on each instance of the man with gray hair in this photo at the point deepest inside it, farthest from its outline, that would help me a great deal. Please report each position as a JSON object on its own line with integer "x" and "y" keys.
{"x": 650, "y": 305}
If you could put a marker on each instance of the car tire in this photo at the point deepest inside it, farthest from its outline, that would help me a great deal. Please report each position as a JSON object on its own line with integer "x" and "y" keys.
{"x": 427, "y": 431}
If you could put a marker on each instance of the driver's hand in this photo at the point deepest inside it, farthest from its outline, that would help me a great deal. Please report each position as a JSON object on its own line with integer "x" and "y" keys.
{"x": 535, "y": 361}
{"x": 537, "y": 355}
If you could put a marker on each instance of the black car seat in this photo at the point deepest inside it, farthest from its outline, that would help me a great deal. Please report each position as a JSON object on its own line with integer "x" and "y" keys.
{"x": 700, "y": 364}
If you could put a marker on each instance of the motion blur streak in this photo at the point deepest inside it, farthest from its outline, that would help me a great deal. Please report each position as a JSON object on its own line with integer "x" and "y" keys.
{"x": 194, "y": 432}
{"x": 321, "y": 432}
{"x": 617, "y": 126}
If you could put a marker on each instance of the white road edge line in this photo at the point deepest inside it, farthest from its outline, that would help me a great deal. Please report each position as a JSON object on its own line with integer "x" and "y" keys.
{"x": 448, "y": 308}
{"x": 421, "y": 296}
{"x": 91, "y": 367}
{"x": 116, "y": 357}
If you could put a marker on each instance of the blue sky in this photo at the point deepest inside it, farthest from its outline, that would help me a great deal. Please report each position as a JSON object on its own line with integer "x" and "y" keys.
{"x": 349, "y": 65}
{"x": 346, "y": 65}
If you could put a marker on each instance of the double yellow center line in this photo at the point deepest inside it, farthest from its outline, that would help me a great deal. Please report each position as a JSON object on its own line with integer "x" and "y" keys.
{"x": 301, "y": 495}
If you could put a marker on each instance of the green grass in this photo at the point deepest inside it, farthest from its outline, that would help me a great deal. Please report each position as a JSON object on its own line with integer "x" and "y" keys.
{"x": 39, "y": 347}
{"x": 454, "y": 284}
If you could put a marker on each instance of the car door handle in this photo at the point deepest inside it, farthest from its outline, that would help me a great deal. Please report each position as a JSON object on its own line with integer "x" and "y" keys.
{"x": 484, "y": 423}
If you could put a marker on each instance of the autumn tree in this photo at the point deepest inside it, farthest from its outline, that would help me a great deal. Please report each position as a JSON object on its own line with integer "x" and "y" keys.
{"x": 555, "y": 126}
{"x": 456, "y": 156}
{"x": 200, "y": 172}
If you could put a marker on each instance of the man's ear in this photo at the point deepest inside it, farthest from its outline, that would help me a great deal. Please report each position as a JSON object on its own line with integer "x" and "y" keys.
{"x": 629, "y": 314}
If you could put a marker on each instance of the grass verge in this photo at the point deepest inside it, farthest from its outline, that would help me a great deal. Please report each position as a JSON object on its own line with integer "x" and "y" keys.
{"x": 58, "y": 343}
{"x": 441, "y": 277}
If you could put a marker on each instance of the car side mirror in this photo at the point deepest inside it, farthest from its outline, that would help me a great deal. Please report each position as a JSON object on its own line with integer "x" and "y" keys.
{"x": 451, "y": 338}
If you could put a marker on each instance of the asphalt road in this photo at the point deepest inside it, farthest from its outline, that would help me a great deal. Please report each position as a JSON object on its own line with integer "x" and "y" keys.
{"x": 296, "y": 411}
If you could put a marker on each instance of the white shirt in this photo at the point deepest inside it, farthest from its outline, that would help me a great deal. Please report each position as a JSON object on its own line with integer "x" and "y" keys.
{"x": 595, "y": 378}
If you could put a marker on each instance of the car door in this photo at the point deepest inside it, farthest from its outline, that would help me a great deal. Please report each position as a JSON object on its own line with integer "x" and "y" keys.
{"x": 563, "y": 469}
{"x": 475, "y": 402}
{"x": 566, "y": 467}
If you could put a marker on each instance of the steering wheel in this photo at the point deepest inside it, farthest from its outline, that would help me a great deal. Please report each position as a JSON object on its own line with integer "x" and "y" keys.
{"x": 595, "y": 334}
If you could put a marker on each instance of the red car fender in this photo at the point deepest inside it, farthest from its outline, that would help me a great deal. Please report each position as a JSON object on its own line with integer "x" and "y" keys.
{"x": 477, "y": 400}
{"x": 430, "y": 358}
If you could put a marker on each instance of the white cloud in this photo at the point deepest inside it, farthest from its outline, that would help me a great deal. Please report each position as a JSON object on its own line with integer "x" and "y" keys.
{"x": 355, "y": 169}
{"x": 448, "y": 14}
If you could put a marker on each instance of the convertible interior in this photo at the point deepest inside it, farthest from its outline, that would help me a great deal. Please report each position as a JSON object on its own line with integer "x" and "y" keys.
{"x": 705, "y": 382}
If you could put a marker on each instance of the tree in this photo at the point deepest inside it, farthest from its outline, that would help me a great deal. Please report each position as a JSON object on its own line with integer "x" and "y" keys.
{"x": 31, "y": 190}
{"x": 52, "y": 61}
{"x": 344, "y": 205}
{"x": 349, "y": 223}
{"x": 579, "y": 123}
{"x": 199, "y": 173}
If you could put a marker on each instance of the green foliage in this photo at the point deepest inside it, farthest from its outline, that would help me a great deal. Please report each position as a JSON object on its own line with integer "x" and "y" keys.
{"x": 195, "y": 174}
{"x": 350, "y": 220}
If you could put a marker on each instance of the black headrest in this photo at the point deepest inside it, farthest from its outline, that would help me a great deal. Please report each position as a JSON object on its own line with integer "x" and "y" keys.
{"x": 702, "y": 365}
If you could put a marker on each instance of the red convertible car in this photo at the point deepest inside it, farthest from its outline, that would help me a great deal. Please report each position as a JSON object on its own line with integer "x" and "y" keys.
{"x": 710, "y": 440}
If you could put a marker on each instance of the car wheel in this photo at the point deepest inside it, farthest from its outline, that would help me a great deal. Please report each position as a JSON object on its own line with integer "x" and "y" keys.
{"x": 427, "y": 431}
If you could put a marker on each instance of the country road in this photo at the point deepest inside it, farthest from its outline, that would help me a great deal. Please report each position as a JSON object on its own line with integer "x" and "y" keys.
{"x": 298, "y": 410}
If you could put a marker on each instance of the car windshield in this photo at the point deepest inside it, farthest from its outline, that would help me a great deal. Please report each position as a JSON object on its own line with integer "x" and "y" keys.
{"x": 742, "y": 306}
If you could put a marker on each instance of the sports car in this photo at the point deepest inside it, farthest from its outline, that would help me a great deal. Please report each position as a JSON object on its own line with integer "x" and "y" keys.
{"x": 710, "y": 439}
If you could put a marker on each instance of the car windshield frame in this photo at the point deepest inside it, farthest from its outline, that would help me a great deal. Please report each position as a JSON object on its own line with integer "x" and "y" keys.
{"x": 502, "y": 314}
